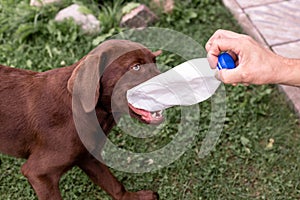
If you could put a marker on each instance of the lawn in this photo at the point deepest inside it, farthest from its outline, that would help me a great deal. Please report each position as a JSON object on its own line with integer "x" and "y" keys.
{"x": 256, "y": 155}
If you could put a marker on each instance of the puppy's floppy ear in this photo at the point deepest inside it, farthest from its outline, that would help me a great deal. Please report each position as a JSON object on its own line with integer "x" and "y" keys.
{"x": 84, "y": 82}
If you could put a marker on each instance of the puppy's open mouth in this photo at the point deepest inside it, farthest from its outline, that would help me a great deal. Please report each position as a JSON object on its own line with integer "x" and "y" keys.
{"x": 146, "y": 116}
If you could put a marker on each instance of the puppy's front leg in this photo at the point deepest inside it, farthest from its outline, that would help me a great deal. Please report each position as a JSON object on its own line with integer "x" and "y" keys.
{"x": 43, "y": 172}
{"x": 100, "y": 174}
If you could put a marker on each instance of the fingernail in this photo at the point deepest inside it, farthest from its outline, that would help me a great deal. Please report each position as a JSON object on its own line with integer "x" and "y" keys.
{"x": 210, "y": 60}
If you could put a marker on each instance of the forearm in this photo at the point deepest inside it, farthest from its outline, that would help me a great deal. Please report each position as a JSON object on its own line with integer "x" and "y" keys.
{"x": 289, "y": 74}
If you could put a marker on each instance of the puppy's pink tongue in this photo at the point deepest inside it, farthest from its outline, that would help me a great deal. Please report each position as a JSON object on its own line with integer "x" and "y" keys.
{"x": 154, "y": 117}
{"x": 147, "y": 116}
{"x": 139, "y": 111}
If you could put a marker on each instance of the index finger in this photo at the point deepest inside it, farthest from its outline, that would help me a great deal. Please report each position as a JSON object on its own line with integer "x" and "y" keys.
{"x": 222, "y": 45}
{"x": 219, "y": 34}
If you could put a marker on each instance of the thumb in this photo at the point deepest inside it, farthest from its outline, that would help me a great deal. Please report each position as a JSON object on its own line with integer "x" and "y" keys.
{"x": 229, "y": 76}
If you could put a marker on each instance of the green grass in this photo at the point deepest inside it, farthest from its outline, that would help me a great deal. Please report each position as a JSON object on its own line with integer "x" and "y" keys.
{"x": 240, "y": 167}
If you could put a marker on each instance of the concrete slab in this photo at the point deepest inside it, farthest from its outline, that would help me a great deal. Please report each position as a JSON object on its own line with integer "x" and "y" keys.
{"x": 290, "y": 50}
{"x": 278, "y": 22}
{"x": 249, "y": 3}
{"x": 244, "y": 20}
{"x": 293, "y": 96}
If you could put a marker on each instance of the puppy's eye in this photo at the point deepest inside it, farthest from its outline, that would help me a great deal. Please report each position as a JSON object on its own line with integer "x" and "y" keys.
{"x": 136, "y": 67}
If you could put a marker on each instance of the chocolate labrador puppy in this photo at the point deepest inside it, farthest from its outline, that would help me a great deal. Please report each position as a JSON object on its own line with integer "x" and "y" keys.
{"x": 37, "y": 115}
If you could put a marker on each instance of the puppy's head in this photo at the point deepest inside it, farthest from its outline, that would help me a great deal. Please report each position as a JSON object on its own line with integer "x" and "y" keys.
{"x": 102, "y": 78}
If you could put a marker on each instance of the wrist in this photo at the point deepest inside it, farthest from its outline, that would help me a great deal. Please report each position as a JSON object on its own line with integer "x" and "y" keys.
{"x": 273, "y": 69}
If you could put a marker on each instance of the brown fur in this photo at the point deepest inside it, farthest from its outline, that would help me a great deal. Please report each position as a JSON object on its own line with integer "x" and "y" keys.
{"x": 36, "y": 116}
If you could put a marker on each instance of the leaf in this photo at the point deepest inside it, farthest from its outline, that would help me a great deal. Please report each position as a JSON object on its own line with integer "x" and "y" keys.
{"x": 244, "y": 141}
{"x": 101, "y": 38}
{"x": 84, "y": 10}
{"x": 129, "y": 7}
{"x": 47, "y": 47}
{"x": 29, "y": 64}
{"x": 24, "y": 31}
{"x": 192, "y": 14}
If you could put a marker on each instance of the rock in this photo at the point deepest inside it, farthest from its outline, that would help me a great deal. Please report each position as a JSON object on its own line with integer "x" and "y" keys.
{"x": 39, "y": 3}
{"x": 88, "y": 22}
{"x": 166, "y": 5}
{"x": 139, "y": 17}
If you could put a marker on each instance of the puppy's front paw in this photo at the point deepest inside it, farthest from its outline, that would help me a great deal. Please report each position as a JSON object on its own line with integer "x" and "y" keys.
{"x": 141, "y": 195}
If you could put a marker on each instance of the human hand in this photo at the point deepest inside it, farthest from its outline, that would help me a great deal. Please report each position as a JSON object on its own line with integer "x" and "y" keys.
{"x": 255, "y": 63}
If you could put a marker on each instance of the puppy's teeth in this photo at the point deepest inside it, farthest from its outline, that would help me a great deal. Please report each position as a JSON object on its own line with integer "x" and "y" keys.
{"x": 153, "y": 114}
{"x": 158, "y": 114}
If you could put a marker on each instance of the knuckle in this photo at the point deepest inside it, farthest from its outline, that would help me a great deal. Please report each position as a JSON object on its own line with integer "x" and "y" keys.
{"x": 248, "y": 39}
{"x": 220, "y": 30}
{"x": 218, "y": 33}
{"x": 245, "y": 77}
{"x": 208, "y": 45}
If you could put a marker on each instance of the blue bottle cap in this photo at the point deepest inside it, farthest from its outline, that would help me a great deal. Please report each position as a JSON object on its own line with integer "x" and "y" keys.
{"x": 225, "y": 61}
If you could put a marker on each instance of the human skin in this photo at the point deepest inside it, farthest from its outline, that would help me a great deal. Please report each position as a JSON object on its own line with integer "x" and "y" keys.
{"x": 255, "y": 63}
